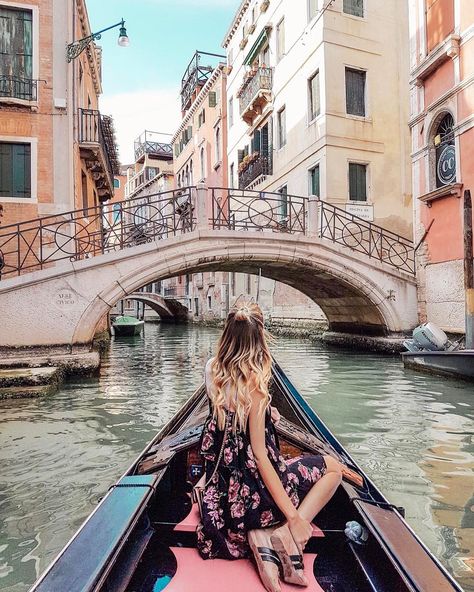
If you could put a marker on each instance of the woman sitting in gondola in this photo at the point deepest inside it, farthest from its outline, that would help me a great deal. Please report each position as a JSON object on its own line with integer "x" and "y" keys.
{"x": 254, "y": 499}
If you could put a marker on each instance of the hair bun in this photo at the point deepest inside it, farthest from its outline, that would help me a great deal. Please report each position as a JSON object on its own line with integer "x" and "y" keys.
{"x": 242, "y": 314}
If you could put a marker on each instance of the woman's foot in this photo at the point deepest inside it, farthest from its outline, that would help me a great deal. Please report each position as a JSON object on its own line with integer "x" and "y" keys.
{"x": 267, "y": 560}
{"x": 290, "y": 557}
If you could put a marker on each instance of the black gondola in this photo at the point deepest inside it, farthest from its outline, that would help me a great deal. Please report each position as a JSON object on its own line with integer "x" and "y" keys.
{"x": 141, "y": 537}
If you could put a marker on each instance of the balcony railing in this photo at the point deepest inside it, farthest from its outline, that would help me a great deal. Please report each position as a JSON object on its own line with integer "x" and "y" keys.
{"x": 152, "y": 143}
{"x": 252, "y": 88}
{"x": 260, "y": 166}
{"x": 97, "y": 129}
{"x": 13, "y": 87}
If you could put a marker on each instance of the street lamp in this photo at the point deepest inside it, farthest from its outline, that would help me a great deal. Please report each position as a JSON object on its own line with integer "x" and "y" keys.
{"x": 75, "y": 48}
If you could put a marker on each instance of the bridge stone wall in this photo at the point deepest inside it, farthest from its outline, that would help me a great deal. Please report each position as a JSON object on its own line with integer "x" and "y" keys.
{"x": 63, "y": 305}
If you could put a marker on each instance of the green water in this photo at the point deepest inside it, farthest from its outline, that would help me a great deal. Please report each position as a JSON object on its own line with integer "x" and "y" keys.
{"x": 413, "y": 434}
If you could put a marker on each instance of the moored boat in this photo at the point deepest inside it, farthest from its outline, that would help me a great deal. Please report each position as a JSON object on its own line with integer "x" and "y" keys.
{"x": 141, "y": 537}
{"x": 125, "y": 326}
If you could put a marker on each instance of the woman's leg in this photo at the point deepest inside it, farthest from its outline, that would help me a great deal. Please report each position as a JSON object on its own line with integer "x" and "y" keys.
{"x": 322, "y": 491}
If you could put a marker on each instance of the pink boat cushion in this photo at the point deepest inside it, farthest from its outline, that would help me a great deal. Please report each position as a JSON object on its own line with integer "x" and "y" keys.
{"x": 196, "y": 575}
{"x": 190, "y": 522}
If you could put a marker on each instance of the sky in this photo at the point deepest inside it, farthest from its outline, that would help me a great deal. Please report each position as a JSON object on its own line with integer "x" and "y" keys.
{"x": 141, "y": 82}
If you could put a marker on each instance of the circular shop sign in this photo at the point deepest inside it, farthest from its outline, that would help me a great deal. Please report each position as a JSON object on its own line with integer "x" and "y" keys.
{"x": 447, "y": 165}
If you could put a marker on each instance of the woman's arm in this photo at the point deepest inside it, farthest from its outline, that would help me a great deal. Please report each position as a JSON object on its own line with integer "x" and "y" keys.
{"x": 269, "y": 475}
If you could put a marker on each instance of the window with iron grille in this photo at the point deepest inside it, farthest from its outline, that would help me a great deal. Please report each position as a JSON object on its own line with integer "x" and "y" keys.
{"x": 314, "y": 98}
{"x": 355, "y": 91}
{"x": 357, "y": 181}
{"x": 353, "y": 7}
{"x": 16, "y": 54}
{"x": 281, "y": 123}
{"x": 15, "y": 169}
{"x": 314, "y": 181}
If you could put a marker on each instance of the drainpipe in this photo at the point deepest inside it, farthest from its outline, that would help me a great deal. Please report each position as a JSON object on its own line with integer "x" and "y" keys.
{"x": 468, "y": 270}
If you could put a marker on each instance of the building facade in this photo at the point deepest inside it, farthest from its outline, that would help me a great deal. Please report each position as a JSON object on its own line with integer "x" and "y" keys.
{"x": 318, "y": 104}
{"x": 57, "y": 151}
{"x": 442, "y": 128}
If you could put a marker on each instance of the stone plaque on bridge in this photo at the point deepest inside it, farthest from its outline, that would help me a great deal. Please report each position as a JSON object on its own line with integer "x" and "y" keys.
{"x": 65, "y": 299}
{"x": 362, "y": 210}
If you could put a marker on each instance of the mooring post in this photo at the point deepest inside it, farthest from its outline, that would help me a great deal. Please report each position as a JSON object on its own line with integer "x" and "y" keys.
{"x": 201, "y": 207}
{"x": 468, "y": 270}
{"x": 313, "y": 216}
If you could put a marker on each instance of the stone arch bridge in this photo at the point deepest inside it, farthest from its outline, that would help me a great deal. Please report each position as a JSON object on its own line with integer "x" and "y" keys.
{"x": 61, "y": 274}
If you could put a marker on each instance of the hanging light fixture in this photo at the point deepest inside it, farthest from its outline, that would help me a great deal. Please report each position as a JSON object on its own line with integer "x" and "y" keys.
{"x": 123, "y": 39}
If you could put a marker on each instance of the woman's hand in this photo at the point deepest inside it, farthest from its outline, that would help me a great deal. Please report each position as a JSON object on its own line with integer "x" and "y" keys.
{"x": 275, "y": 415}
{"x": 301, "y": 531}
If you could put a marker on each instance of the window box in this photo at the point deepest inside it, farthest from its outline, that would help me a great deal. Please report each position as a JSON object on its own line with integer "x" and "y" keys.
{"x": 251, "y": 28}
{"x": 243, "y": 43}
{"x": 264, "y": 5}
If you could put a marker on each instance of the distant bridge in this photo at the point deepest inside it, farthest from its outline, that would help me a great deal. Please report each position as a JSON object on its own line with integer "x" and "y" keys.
{"x": 61, "y": 274}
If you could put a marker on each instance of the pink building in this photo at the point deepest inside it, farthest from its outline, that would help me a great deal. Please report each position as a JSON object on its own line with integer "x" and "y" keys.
{"x": 442, "y": 126}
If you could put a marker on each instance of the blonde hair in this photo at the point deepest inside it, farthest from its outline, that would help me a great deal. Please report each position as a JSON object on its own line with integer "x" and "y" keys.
{"x": 242, "y": 365}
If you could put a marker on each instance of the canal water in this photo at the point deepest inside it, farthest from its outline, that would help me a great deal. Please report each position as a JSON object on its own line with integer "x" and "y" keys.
{"x": 413, "y": 434}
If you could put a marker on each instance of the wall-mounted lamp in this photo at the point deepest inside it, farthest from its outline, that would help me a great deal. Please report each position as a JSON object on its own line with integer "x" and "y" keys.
{"x": 75, "y": 48}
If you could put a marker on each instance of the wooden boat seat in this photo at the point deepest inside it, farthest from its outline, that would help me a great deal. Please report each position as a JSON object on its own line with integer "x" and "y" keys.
{"x": 190, "y": 522}
{"x": 195, "y": 574}
{"x": 101, "y": 537}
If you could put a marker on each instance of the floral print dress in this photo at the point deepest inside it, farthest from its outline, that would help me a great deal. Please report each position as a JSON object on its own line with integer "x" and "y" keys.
{"x": 236, "y": 500}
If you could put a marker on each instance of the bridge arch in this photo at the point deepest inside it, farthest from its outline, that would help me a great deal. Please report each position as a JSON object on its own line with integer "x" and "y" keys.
{"x": 169, "y": 309}
{"x": 356, "y": 296}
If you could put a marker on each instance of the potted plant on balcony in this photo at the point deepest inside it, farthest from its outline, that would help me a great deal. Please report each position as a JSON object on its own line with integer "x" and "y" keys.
{"x": 264, "y": 5}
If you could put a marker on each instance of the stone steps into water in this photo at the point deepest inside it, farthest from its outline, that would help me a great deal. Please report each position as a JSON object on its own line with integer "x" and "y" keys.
{"x": 27, "y": 392}
{"x": 13, "y": 377}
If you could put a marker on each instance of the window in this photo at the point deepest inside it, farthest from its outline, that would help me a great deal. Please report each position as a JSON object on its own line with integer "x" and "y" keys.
{"x": 281, "y": 123}
{"x": 16, "y": 51}
{"x": 191, "y": 172}
{"x": 231, "y": 112}
{"x": 201, "y": 118}
{"x": 354, "y": 7}
{"x": 264, "y": 57}
{"x": 314, "y": 181}
{"x": 249, "y": 283}
{"x": 232, "y": 283}
{"x": 283, "y": 206}
{"x": 209, "y": 302}
{"x": 218, "y": 144}
{"x": 357, "y": 182}
{"x": 355, "y": 92}
{"x": 203, "y": 164}
{"x": 116, "y": 183}
{"x": 15, "y": 170}
{"x": 231, "y": 175}
{"x": 85, "y": 199}
{"x": 196, "y": 307}
{"x": 312, "y": 9}
{"x": 212, "y": 99}
{"x": 116, "y": 209}
{"x": 230, "y": 57}
{"x": 445, "y": 151}
{"x": 280, "y": 39}
{"x": 314, "y": 100}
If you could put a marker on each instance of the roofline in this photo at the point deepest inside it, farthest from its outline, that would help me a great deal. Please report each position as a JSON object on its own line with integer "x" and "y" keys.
{"x": 218, "y": 70}
{"x": 235, "y": 22}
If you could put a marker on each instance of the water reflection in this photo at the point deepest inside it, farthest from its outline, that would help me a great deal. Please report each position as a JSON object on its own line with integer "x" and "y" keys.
{"x": 412, "y": 433}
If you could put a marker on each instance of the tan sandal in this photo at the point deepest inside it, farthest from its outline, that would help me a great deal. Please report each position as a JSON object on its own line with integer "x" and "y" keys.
{"x": 267, "y": 560}
{"x": 291, "y": 560}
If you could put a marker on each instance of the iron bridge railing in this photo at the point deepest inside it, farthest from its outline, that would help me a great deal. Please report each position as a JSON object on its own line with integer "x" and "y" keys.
{"x": 237, "y": 209}
{"x": 80, "y": 234}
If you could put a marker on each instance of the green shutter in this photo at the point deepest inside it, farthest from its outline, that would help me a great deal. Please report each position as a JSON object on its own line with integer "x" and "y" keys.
{"x": 212, "y": 99}
{"x": 6, "y": 170}
{"x": 15, "y": 170}
{"x": 357, "y": 182}
{"x": 16, "y": 42}
{"x": 315, "y": 190}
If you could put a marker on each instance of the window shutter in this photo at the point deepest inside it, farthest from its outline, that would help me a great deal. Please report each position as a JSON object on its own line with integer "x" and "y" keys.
{"x": 355, "y": 92}
{"x": 357, "y": 182}
{"x": 256, "y": 141}
{"x": 354, "y": 7}
{"x": 6, "y": 169}
{"x": 240, "y": 155}
{"x": 190, "y": 132}
{"x": 315, "y": 190}
{"x": 212, "y": 99}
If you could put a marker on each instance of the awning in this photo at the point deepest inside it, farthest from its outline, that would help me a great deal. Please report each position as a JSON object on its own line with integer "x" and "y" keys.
{"x": 257, "y": 46}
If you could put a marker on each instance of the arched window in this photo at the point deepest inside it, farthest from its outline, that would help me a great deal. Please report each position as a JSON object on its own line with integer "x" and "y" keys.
{"x": 445, "y": 151}
{"x": 178, "y": 180}
{"x": 218, "y": 144}
{"x": 191, "y": 172}
{"x": 203, "y": 164}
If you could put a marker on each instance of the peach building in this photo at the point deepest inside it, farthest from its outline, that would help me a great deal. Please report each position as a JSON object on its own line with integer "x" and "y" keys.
{"x": 57, "y": 151}
{"x": 442, "y": 127}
